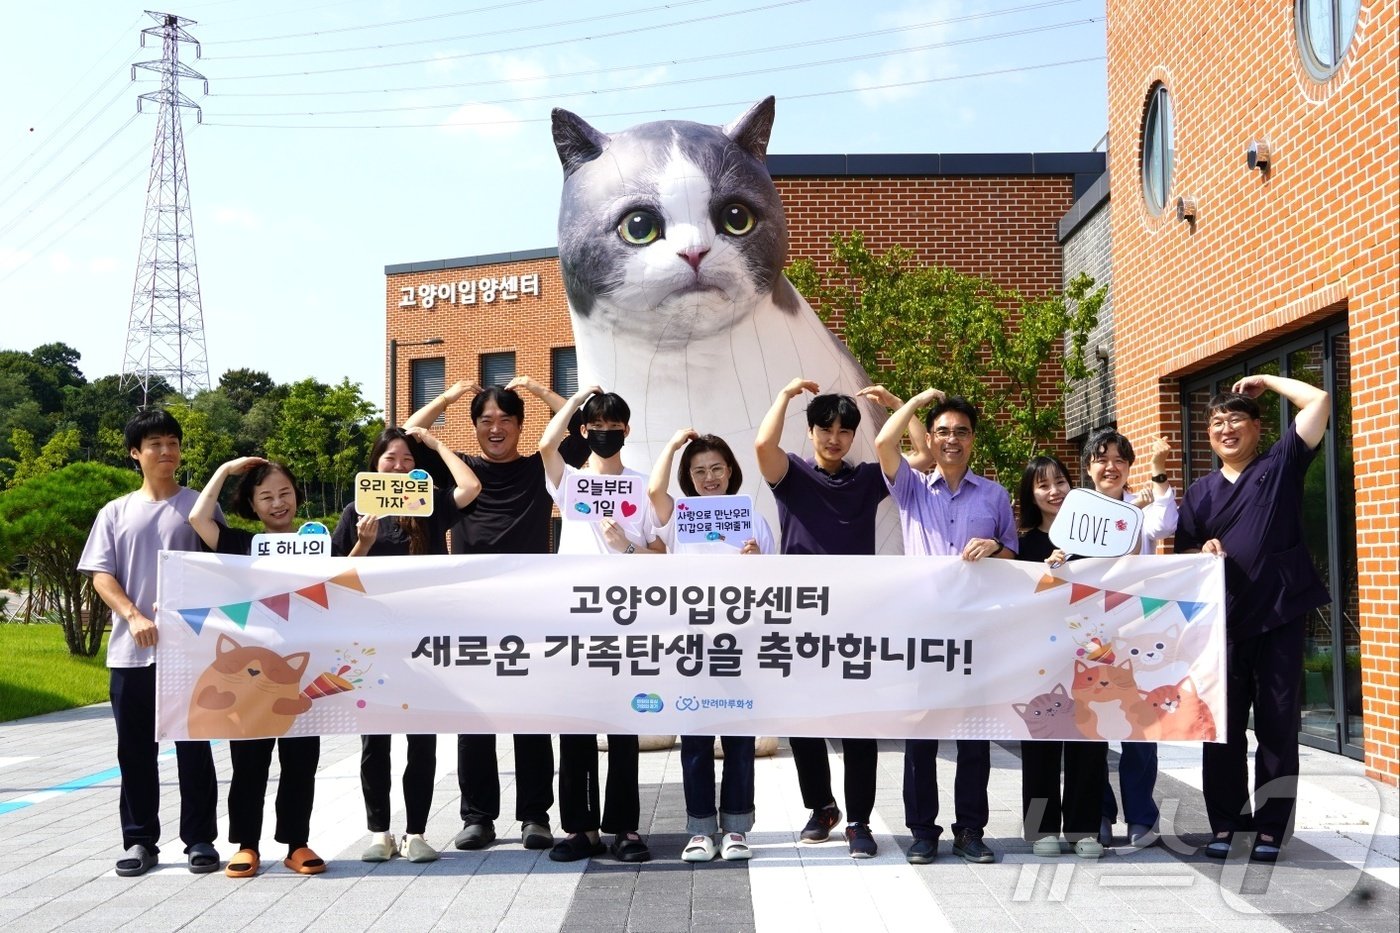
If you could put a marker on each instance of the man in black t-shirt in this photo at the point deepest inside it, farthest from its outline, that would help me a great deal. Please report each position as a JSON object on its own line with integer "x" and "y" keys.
{"x": 511, "y": 516}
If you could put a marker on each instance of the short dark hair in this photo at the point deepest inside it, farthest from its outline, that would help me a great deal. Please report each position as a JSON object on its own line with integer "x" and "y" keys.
{"x": 387, "y": 437}
{"x": 606, "y": 406}
{"x": 1232, "y": 401}
{"x": 153, "y": 422}
{"x": 704, "y": 444}
{"x": 243, "y": 492}
{"x": 1098, "y": 444}
{"x": 953, "y": 403}
{"x": 507, "y": 400}
{"x": 826, "y": 410}
{"x": 1038, "y": 468}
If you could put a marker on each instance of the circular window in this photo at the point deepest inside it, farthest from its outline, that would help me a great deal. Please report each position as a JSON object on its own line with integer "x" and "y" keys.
{"x": 1157, "y": 148}
{"x": 1325, "y": 28}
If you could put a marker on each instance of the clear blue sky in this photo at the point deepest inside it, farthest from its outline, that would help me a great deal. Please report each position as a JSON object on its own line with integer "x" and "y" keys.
{"x": 339, "y": 137}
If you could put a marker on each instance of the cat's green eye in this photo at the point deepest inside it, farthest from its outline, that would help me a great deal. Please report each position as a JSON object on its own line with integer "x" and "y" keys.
{"x": 736, "y": 219}
{"x": 639, "y": 228}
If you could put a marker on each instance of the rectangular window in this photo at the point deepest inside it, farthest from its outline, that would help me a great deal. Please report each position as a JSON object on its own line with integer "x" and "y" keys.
{"x": 497, "y": 369}
{"x": 428, "y": 377}
{"x": 563, "y": 365}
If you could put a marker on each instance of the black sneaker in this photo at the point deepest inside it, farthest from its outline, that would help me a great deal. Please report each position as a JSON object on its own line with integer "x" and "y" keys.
{"x": 922, "y": 852}
{"x": 818, "y": 828}
{"x": 860, "y": 840}
{"x": 475, "y": 836}
{"x": 969, "y": 845}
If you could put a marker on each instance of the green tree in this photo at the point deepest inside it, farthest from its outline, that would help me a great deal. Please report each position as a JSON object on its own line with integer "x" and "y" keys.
{"x": 45, "y": 521}
{"x": 245, "y": 386}
{"x": 324, "y": 434}
{"x": 100, "y": 410}
{"x": 207, "y": 439}
{"x": 913, "y": 327}
{"x": 31, "y": 460}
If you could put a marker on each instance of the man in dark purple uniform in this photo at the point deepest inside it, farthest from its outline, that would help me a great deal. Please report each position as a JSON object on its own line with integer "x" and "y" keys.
{"x": 1250, "y": 514}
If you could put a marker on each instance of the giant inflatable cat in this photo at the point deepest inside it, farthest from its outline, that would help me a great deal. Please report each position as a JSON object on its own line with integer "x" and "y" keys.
{"x": 672, "y": 242}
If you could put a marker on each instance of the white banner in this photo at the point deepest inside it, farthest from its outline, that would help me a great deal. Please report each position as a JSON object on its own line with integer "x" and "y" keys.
{"x": 885, "y": 647}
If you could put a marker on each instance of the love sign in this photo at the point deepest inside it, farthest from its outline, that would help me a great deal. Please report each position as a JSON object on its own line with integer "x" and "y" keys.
{"x": 1091, "y": 524}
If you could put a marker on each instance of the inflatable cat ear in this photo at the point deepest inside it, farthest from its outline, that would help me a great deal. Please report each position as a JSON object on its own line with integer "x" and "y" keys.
{"x": 751, "y": 131}
{"x": 576, "y": 142}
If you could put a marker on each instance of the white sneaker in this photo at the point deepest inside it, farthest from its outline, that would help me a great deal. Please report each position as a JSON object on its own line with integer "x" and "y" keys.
{"x": 416, "y": 849}
{"x": 735, "y": 848}
{"x": 700, "y": 848}
{"x": 381, "y": 848}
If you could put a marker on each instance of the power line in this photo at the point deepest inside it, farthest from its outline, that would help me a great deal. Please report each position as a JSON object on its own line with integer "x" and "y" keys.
{"x": 657, "y": 111}
{"x": 530, "y": 46}
{"x": 766, "y": 50}
{"x": 19, "y": 218}
{"x": 384, "y": 25}
{"x": 688, "y": 80}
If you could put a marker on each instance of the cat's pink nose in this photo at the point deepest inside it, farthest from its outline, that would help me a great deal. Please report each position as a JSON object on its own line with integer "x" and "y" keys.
{"x": 694, "y": 256}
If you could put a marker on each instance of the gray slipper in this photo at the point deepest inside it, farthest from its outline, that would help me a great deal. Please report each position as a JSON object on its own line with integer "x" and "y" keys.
{"x": 136, "y": 861}
{"x": 203, "y": 857}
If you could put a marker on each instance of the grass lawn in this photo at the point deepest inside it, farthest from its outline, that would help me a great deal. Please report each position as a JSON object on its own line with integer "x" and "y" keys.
{"x": 40, "y": 676}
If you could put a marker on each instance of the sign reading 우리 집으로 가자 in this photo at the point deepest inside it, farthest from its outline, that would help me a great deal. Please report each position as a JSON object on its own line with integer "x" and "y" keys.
{"x": 409, "y": 494}
{"x": 780, "y": 645}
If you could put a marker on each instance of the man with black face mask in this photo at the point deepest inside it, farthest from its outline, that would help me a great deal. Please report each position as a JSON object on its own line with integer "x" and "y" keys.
{"x": 605, "y": 428}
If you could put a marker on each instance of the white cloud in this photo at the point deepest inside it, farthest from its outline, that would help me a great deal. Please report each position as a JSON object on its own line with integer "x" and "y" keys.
{"x": 901, "y": 76}
{"x": 102, "y": 264}
{"x": 487, "y": 121}
{"x": 61, "y": 262}
{"x": 239, "y": 217}
{"x": 14, "y": 258}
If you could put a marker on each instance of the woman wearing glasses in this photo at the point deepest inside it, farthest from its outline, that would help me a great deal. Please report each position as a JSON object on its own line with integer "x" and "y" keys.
{"x": 708, "y": 468}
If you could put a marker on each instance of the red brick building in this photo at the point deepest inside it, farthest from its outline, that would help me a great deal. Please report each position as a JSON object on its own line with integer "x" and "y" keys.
{"x": 1255, "y": 211}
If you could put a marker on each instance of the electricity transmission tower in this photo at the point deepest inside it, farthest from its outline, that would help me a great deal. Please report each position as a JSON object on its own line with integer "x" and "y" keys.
{"x": 165, "y": 332}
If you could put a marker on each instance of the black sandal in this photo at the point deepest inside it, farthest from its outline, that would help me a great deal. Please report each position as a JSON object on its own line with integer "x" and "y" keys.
{"x": 630, "y": 847}
{"x": 576, "y": 846}
{"x": 1219, "y": 847}
{"x": 1266, "y": 849}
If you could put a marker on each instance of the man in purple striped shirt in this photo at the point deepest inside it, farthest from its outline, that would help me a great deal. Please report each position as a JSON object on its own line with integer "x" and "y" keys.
{"x": 950, "y": 512}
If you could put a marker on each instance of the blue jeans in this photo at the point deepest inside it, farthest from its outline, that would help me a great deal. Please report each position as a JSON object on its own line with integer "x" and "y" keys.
{"x": 1137, "y": 776}
{"x": 736, "y": 809}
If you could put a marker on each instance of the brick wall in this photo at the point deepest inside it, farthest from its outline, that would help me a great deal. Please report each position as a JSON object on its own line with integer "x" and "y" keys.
{"x": 1269, "y": 254}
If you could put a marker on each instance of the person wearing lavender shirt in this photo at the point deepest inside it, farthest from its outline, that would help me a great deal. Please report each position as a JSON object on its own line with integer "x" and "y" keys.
{"x": 825, "y": 506}
{"x": 949, "y": 512}
{"x": 121, "y": 555}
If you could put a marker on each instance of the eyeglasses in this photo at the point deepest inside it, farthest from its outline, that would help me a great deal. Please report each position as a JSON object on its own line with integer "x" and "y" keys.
{"x": 716, "y": 471}
{"x": 1234, "y": 422}
{"x": 961, "y": 434}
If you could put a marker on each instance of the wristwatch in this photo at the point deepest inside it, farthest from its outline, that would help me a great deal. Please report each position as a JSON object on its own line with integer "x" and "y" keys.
{"x": 630, "y": 549}
{"x": 1160, "y": 478}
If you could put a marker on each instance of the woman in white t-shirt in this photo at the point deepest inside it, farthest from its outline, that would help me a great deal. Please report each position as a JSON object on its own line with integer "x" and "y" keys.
{"x": 708, "y": 468}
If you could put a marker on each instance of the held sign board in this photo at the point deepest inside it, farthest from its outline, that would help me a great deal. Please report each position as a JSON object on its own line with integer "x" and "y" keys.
{"x": 381, "y": 494}
{"x": 726, "y": 519}
{"x": 592, "y": 497}
{"x": 1091, "y": 524}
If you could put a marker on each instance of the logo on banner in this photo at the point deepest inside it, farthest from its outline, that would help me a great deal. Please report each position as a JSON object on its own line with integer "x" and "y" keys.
{"x": 647, "y": 703}
{"x": 1091, "y": 524}
{"x": 592, "y": 497}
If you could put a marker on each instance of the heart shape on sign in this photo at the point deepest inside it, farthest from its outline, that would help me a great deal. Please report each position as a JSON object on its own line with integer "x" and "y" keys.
{"x": 628, "y": 510}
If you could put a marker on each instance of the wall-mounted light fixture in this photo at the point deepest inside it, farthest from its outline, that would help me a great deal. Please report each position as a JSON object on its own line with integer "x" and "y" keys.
{"x": 1186, "y": 209}
{"x": 1101, "y": 352}
{"x": 1258, "y": 155}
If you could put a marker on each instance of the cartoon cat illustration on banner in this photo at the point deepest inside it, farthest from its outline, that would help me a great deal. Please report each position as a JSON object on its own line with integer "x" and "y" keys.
{"x": 247, "y": 692}
{"x": 672, "y": 241}
{"x": 1049, "y": 716}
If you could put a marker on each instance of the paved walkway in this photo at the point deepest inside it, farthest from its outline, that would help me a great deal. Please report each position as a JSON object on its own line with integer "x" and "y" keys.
{"x": 58, "y": 803}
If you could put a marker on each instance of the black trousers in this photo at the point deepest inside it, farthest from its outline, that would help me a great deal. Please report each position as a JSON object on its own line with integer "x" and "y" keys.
{"x": 133, "y": 694}
{"x": 1263, "y": 672}
{"x": 296, "y": 789}
{"x": 480, "y": 780}
{"x": 418, "y": 777}
{"x": 1048, "y": 811}
{"x": 969, "y": 787}
{"x": 861, "y": 758}
{"x": 578, "y": 785}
